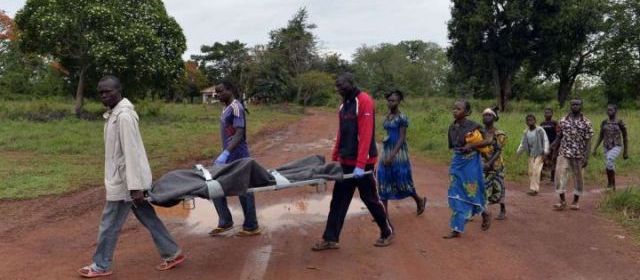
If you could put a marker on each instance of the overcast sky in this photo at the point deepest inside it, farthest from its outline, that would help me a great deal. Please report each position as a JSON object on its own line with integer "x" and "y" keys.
{"x": 343, "y": 26}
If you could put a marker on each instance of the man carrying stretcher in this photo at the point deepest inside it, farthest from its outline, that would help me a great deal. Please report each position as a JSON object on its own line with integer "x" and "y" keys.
{"x": 356, "y": 150}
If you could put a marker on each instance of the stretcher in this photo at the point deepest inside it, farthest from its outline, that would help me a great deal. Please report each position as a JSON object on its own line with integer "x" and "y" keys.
{"x": 188, "y": 202}
{"x": 241, "y": 177}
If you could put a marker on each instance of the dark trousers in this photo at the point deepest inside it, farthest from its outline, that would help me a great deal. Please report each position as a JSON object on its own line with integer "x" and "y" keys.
{"x": 342, "y": 195}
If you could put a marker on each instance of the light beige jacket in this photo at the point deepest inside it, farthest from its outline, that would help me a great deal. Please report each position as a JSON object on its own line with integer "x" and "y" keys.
{"x": 126, "y": 166}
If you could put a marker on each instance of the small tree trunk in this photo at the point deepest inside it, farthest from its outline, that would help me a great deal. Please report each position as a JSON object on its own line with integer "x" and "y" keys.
{"x": 80, "y": 92}
{"x": 505, "y": 91}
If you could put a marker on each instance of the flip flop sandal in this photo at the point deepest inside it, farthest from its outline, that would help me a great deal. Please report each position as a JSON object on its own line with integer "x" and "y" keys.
{"x": 422, "y": 206}
{"x": 325, "y": 245}
{"x": 89, "y": 272}
{"x": 452, "y": 235}
{"x": 217, "y": 231}
{"x": 574, "y": 207}
{"x": 245, "y": 233}
{"x": 166, "y": 265}
{"x": 560, "y": 206}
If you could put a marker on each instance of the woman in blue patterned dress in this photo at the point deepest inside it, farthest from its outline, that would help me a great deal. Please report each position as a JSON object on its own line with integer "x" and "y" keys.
{"x": 394, "y": 169}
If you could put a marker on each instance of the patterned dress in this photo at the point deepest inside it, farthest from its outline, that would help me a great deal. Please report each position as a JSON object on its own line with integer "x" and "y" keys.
{"x": 494, "y": 178}
{"x": 395, "y": 181}
{"x": 466, "y": 190}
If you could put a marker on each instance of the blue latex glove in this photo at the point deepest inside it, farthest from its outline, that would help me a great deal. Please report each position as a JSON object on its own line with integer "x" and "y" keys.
{"x": 222, "y": 158}
{"x": 358, "y": 172}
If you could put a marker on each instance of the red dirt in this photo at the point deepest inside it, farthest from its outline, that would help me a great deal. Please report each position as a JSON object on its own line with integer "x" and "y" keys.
{"x": 51, "y": 237}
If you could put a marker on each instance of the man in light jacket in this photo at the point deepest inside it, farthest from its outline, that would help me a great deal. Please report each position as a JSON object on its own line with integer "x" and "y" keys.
{"x": 536, "y": 144}
{"x": 127, "y": 176}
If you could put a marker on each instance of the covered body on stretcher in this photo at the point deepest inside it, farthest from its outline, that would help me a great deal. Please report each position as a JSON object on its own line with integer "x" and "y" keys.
{"x": 239, "y": 177}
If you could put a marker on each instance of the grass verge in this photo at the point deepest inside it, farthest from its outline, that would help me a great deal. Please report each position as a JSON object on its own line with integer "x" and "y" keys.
{"x": 624, "y": 207}
{"x": 45, "y": 150}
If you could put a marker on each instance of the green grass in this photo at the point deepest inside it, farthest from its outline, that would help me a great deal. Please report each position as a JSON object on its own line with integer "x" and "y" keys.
{"x": 624, "y": 207}
{"x": 429, "y": 119}
{"x": 46, "y": 150}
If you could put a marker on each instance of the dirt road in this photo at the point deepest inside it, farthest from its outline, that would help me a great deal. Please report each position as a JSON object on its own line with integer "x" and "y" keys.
{"x": 49, "y": 238}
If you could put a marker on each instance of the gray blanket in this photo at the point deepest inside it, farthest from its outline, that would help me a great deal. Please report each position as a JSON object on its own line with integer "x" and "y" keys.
{"x": 236, "y": 178}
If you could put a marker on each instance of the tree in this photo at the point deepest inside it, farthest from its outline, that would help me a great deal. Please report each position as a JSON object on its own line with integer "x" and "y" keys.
{"x": 296, "y": 45}
{"x": 317, "y": 87}
{"x": 223, "y": 61}
{"x": 24, "y": 74}
{"x": 567, "y": 34}
{"x": 135, "y": 40}
{"x": 490, "y": 38}
{"x": 334, "y": 64}
{"x": 7, "y": 33}
{"x": 417, "y": 67}
{"x": 619, "y": 60}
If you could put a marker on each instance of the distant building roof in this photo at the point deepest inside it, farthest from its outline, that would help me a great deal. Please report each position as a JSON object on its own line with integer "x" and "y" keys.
{"x": 209, "y": 90}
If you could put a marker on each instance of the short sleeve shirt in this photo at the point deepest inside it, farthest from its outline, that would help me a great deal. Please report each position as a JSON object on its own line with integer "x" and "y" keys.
{"x": 575, "y": 134}
{"x": 233, "y": 117}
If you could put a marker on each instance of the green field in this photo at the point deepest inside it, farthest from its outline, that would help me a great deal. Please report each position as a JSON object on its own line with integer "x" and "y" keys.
{"x": 45, "y": 150}
{"x": 429, "y": 120}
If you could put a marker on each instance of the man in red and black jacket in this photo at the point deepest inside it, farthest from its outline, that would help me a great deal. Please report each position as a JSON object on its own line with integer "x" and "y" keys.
{"x": 356, "y": 150}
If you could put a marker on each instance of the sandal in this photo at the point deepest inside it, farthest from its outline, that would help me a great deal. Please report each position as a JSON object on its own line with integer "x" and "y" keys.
{"x": 501, "y": 216}
{"x": 422, "y": 206}
{"x": 452, "y": 235}
{"x": 384, "y": 241}
{"x": 486, "y": 221}
{"x": 217, "y": 231}
{"x": 574, "y": 206}
{"x": 245, "y": 233}
{"x": 325, "y": 245}
{"x": 560, "y": 206}
{"x": 166, "y": 265}
{"x": 90, "y": 272}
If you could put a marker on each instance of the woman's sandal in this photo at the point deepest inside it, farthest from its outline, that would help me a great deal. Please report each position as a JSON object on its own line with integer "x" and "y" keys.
{"x": 89, "y": 272}
{"x": 452, "y": 235}
{"x": 422, "y": 206}
{"x": 486, "y": 221}
{"x": 166, "y": 265}
{"x": 325, "y": 245}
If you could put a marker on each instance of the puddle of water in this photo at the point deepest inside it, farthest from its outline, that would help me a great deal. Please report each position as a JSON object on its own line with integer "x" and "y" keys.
{"x": 296, "y": 212}
{"x": 320, "y": 144}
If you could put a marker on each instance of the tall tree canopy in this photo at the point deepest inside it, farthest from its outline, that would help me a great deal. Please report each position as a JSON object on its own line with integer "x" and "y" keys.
{"x": 490, "y": 39}
{"x": 296, "y": 45}
{"x": 223, "y": 61}
{"x": 566, "y": 36}
{"x": 418, "y": 67}
{"x": 619, "y": 60}
{"x": 135, "y": 40}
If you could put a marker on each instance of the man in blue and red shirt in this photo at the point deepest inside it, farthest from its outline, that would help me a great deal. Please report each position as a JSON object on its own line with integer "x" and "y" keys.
{"x": 356, "y": 150}
{"x": 234, "y": 144}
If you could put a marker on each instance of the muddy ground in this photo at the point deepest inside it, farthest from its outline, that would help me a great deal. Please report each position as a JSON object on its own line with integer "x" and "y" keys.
{"x": 51, "y": 237}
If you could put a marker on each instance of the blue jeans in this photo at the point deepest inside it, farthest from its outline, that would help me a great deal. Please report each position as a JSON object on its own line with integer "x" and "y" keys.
{"x": 248, "y": 203}
{"x": 113, "y": 217}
